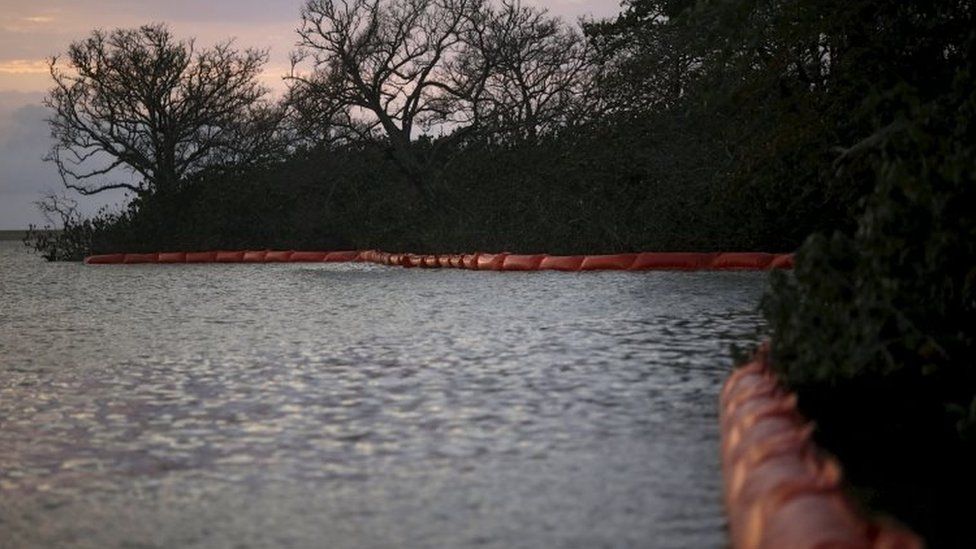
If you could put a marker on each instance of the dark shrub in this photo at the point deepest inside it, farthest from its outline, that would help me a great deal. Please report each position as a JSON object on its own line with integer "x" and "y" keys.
{"x": 877, "y": 331}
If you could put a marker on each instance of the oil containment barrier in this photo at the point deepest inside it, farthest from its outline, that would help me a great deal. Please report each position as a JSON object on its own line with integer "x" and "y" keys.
{"x": 781, "y": 490}
{"x": 647, "y": 261}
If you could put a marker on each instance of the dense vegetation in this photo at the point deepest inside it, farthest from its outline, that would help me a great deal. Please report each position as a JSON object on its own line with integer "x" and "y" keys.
{"x": 877, "y": 329}
{"x": 845, "y": 126}
{"x": 590, "y": 191}
{"x": 662, "y": 139}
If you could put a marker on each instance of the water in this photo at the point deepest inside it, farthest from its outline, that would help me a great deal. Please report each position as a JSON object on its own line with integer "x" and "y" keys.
{"x": 351, "y": 405}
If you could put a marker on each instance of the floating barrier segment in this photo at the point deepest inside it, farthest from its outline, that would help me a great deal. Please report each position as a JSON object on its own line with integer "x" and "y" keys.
{"x": 646, "y": 261}
{"x": 781, "y": 490}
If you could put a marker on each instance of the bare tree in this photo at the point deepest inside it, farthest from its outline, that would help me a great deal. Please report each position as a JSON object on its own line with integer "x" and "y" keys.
{"x": 533, "y": 73}
{"x": 139, "y": 99}
{"x": 377, "y": 68}
{"x": 382, "y": 69}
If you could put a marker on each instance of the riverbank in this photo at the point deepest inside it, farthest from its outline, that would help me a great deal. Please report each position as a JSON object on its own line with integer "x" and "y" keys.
{"x": 9, "y": 235}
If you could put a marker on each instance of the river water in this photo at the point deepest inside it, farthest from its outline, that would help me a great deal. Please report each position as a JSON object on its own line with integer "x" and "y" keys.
{"x": 352, "y": 405}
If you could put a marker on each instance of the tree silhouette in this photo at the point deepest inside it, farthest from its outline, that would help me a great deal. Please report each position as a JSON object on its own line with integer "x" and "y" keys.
{"x": 388, "y": 70}
{"x": 139, "y": 99}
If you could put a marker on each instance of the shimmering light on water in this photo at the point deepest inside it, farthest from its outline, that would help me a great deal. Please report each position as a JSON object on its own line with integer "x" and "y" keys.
{"x": 362, "y": 406}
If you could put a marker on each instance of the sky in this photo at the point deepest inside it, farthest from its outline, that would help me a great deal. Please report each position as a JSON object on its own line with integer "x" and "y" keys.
{"x": 31, "y": 32}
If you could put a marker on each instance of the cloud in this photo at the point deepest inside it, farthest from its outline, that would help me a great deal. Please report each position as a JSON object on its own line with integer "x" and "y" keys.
{"x": 11, "y": 100}
{"x": 47, "y": 27}
{"x": 23, "y": 144}
{"x": 24, "y": 176}
{"x": 31, "y": 32}
{"x": 24, "y": 66}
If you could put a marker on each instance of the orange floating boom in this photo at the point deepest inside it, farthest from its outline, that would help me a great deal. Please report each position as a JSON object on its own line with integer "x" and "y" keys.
{"x": 647, "y": 261}
{"x": 781, "y": 490}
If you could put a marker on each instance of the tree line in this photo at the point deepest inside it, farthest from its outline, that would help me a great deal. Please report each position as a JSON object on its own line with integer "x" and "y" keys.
{"x": 444, "y": 125}
{"x": 366, "y": 72}
{"x": 477, "y": 124}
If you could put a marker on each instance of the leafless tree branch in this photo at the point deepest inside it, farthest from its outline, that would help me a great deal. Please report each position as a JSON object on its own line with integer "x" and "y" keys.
{"x": 140, "y": 99}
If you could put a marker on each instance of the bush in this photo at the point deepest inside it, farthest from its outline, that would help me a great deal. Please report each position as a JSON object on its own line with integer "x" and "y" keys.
{"x": 620, "y": 186}
{"x": 67, "y": 236}
{"x": 877, "y": 331}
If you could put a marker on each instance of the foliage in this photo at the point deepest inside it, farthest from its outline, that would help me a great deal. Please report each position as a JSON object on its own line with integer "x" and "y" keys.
{"x": 851, "y": 119}
{"x": 589, "y": 191}
{"x": 877, "y": 329}
{"x": 67, "y": 236}
{"x": 647, "y": 61}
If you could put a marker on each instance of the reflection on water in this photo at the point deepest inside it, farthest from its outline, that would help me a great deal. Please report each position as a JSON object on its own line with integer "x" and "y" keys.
{"x": 360, "y": 406}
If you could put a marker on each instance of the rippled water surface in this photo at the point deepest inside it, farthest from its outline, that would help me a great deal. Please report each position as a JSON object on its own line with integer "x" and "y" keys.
{"x": 350, "y": 405}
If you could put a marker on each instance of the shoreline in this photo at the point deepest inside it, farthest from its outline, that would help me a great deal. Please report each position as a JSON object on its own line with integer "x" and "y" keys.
{"x": 12, "y": 235}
